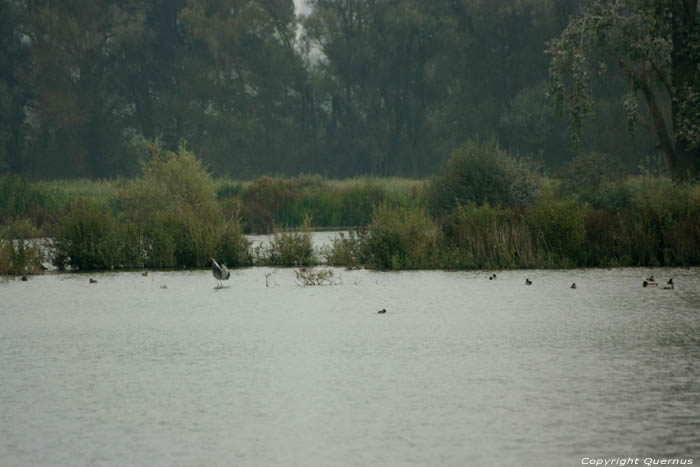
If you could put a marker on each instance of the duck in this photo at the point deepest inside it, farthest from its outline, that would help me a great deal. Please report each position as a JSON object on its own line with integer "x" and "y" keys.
{"x": 528, "y": 281}
{"x": 573, "y": 285}
{"x": 651, "y": 279}
{"x": 93, "y": 281}
{"x": 144, "y": 273}
{"x": 382, "y": 311}
{"x": 24, "y": 279}
{"x": 646, "y": 283}
{"x": 492, "y": 277}
{"x": 669, "y": 285}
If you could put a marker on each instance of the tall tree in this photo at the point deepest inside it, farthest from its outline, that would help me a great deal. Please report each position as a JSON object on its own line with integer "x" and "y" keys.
{"x": 77, "y": 58}
{"x": 655, "y": 44}
{"x": 13, "y": 94}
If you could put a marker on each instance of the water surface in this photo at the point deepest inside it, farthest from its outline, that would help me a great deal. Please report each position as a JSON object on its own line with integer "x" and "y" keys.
{"x": 459, "y": 371}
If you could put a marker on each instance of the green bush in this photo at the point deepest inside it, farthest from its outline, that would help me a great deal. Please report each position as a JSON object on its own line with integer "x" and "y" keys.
{"x": 401, "y": 238}
{"x": 87, "y": 238}
{"x": 347, "y": 250}
{"x": 174, "y": 205}
{"x": 18, "y": 256}
{"x": 481, "y": 173}
{"x": 289, "y": 248}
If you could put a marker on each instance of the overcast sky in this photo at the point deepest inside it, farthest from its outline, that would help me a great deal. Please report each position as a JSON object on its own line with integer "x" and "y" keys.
{"x": 301, "y": 7}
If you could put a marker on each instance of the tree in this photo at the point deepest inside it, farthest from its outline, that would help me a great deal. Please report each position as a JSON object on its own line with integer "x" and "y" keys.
{"x": 13, "y": 94}
{"x": 655, "y": 44}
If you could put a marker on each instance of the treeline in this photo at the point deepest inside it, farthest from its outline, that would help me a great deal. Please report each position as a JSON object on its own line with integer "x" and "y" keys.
{"x": 486, "y": 209}
{"x": 356, "y": 87}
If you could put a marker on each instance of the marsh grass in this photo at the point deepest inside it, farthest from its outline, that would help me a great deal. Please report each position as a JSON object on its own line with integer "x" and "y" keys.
{"x": 18, "y": 255}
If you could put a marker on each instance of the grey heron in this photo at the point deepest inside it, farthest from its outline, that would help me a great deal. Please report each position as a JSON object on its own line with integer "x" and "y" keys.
{"x": 221, "y": 273}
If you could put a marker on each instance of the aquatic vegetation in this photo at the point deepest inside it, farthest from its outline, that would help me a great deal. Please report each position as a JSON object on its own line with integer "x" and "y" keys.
{"x": 347, "y": 249}
{"x": 308, "y": 277}
{"x": 289, "y": 248}
{"x": 18, "y": 255}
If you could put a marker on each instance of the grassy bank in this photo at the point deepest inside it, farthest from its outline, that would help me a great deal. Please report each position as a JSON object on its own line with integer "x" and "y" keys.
{"x": 486, "y": 209}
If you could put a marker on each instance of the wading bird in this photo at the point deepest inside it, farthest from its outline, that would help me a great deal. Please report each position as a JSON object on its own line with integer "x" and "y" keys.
{"x": 220, "y": 272}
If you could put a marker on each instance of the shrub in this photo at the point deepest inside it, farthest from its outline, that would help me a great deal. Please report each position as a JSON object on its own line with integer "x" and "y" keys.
{"x": 481, "y": 173}
{"x": 401, "y": 238}
{"x": 346, "y": 250}
{"x": 292, "y": 248}
{"x": 585, "y": 172}
{"x": 86, "y": 238}
{"x": 173, "y": 204}
{"x": 17, "y": 255}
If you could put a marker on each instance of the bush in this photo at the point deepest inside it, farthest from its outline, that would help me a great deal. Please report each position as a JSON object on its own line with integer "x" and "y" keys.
{"x": 86, "y": 238}
{"x": 17, "y": 255}
{"x": 347, "y": 250}
{"x": 481, "y": 173}
{"x": 291, "y": 248}
{"x": 174, "y": 205}
{"x": 401, "y": 238}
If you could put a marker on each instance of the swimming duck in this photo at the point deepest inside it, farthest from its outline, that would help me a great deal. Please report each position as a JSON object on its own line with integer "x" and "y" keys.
{"x": 93, "y": 281}
{"x": 669, "y": 285}
{"x": 528, "y": 281}
{"x": 144, "y": 273}
{"x": 573, "y": 285}
{"x": 649, "y": 284}
{"x": 382, "y": 311}
{"x": 492, "y": 277}
{"x": 24, "y": 279}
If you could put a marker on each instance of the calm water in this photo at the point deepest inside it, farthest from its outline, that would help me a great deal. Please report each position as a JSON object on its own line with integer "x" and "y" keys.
{"x": 459, "y": 371}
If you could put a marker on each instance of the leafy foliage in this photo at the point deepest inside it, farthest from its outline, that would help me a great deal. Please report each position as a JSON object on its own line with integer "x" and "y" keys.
{"x": 481, "y": 173}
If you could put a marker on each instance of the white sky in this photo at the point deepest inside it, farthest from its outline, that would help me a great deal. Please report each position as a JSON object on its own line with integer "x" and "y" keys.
{"x": 300, "y": 6}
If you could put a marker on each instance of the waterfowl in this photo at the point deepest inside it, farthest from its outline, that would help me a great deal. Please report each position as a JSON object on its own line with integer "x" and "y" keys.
{"x": 24, "y": 279}
{"x": 651, "y": 279}
{"x": 220, "y": 272}
{"x": 528, "y": 281}
{"x": 492, "y": 277}
{"x": 383, "y": 310}
{"x": 93, "y": 281}
{"x": 573, "y": 285}
{"x": 649, "y": 284}
{"x": 669, "y": 285}
{"x": 144, "y": 273}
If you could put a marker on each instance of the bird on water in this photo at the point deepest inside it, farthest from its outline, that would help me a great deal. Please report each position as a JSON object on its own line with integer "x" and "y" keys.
{"x": 528, "y": 281}
{"x": 220, "y": 272}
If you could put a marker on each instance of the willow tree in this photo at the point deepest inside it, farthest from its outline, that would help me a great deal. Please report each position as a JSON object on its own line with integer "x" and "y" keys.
{"x": 655, "y": 44}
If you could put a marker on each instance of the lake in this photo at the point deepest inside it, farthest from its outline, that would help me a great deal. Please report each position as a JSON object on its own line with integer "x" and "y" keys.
{"x": 461, "y": 370}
